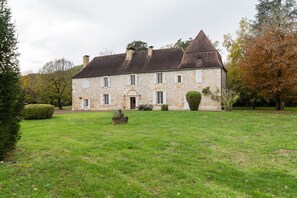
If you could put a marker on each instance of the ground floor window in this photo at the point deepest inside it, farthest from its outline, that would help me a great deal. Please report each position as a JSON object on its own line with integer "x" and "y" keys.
{"x": 159, "y": 97}
{"x": 106, "y": 99}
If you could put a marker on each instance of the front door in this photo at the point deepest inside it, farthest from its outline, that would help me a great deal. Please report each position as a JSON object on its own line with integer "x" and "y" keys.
{"x": 132, "y": 102}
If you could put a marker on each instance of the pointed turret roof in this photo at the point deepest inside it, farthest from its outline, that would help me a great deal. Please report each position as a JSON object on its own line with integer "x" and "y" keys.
{"x": 200, "y": 44}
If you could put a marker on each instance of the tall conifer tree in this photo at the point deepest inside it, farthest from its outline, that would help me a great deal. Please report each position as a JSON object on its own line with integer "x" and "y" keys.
{"x": 11, "y": 100}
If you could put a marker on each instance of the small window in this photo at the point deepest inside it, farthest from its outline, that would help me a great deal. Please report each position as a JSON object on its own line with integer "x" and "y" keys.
{"x": 199, "y": 61}
{"x": 159, "y": 77}
{"x": 132, "y": 79}
{"x": 86, "y": 102}
{"x": 179, "y": 78}
{"x": 159, "y": 97}
{"x": 106, "y": 99}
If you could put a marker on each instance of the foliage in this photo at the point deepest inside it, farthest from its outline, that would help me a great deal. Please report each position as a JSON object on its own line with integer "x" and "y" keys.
{"x": 228, "y": 98}
{"x": 269, "y": 66}
{"x": 180, "y": 44}
{"x": 11, "y": 98}
{"x": 164, "y": 107}
{"x": 118, "y": 113}
{"x": 38, "y": 111}
{"x": 206, "y": 90}
{"x": 137, "y": 45}
{"x": 56, "y": 81}
{"x": 193, "y": 99}
{"x": 138, "y": 159}
{"x": 145, "y": 107}
{"x": 277, "y": 13}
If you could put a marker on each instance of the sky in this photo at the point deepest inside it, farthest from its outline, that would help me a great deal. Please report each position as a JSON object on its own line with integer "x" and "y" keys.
{"x": 52, "y": 29}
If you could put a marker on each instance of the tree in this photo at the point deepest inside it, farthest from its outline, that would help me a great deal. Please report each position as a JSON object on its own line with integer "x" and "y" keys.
{"x": 137, "y": 45}
{"x": 179, "y": 44}
{"x": 270, "y": 65}
{"x": 275, "y": 12}
{"x": 11, "y": 100}
{"x": 56, "y": 81}
{"x": 237, "y": 53}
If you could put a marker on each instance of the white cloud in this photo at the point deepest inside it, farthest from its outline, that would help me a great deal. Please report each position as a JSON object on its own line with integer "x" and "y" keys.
{"x": 53, "y": 29}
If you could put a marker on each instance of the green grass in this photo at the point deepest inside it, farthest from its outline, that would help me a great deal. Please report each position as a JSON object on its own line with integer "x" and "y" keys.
{"x": 157, "y": 154}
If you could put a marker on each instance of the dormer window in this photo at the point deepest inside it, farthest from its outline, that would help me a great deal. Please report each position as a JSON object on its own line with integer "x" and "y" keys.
{"x": 199, "y": 61}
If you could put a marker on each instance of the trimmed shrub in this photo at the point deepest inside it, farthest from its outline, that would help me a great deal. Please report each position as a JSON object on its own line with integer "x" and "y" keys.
{"x": 38, "y": 111}
{"x": 164, "y": 107}
{"x": 193, "y": 99}
{"x": 145, "y": 107}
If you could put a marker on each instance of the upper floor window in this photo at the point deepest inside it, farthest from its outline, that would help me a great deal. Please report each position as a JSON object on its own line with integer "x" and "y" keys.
{"x": 105, "y": 81}
{"x": 159, "y": 77}
{"x": 132, "y": 80}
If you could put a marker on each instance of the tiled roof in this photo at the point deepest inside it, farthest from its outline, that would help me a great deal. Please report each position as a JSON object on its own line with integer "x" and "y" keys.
{"x": 161, "y": 60}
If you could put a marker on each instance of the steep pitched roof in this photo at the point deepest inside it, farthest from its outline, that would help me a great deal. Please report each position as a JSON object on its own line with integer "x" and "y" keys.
{"x": 161, "y": 60}
{"x": 200, "y": 44}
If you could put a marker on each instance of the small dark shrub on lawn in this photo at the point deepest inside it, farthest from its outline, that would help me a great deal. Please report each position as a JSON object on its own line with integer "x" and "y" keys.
{"x": 145, "y": 107}
{"x": 38, "y": 111}
{"x": 193, "y": 99}
{"x": 164, "y": 107}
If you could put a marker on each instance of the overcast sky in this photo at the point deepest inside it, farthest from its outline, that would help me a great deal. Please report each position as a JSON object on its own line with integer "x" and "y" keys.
{"x": 52, "y": 29}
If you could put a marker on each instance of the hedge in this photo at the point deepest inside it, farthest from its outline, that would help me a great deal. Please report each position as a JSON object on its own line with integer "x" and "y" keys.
{"x": 38, "y": 111}
{"x": 193, "y": 99}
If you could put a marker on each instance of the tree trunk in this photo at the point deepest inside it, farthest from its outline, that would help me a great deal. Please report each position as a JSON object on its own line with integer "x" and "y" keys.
{"x": 253, "y": 105}
{"x": 59, "y": 103}
{"x": 279, "y": 104}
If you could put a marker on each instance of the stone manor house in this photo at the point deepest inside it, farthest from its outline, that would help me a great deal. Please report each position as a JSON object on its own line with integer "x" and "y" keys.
{"x": 163, "y": 76}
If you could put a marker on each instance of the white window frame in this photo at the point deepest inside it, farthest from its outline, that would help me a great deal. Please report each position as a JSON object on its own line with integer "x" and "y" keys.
{"x": 181, "y": 78}
{"x": 105, "y": 99}
{"x": 105, "y": 82}
{"x": 160, "y": 79}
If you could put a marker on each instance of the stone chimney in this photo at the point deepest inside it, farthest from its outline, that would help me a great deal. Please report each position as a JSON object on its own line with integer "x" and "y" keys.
{"x": 129, "y": 53}
{"x": 150, "y": 51}
{"x": 86, "y": 60}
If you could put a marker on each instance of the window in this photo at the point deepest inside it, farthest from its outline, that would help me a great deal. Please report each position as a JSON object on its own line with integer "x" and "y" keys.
{"x": 159, "y": 97}
{"x": 179, "y": 78}
{"x": 199, "y": 61}
{"x": 105, "y": 82}
{"x": 132, "y": 80}
{"x": 198, "y": 76}
{"x": 105, "y": 99}
{"x": 159, "y": 77}
{"x": 87, "y": 102}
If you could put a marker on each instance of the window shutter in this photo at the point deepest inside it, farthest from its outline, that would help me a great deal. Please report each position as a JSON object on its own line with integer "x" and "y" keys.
{"x": 182, "y": 78}
{"x": 101, "y": 99}
{"x": 164, "y": 97}
{"x": 102, "y": 82}
{"x": 163, "y": 78}
{"x": 89, "y": 103}
{"x": 154, "y": 97}
{"x": 136, "y": 79}
{"x": 155, "y": 78}
{"x": 175, "y": 79}
{"x": 109, "y": 82}
{"x": 186, "y": 105}
{"x": 82, "y": 104}
{"x": 109, "y": 99}
{"x": 198, "y": 76}
{"x": 129, "y": 80}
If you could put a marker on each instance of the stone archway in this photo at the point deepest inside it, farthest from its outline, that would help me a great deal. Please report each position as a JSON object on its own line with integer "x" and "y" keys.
{"x": 131, "y": 99}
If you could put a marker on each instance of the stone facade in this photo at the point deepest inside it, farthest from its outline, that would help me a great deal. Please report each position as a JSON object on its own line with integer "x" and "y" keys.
{"x": 91, "y": 94}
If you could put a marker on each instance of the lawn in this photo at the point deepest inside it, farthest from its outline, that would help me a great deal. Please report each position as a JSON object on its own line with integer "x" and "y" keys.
{"x": 158, "y": 154}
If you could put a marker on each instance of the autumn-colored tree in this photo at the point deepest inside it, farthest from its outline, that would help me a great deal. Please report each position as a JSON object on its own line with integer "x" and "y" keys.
{"x": 270, "y": 65}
